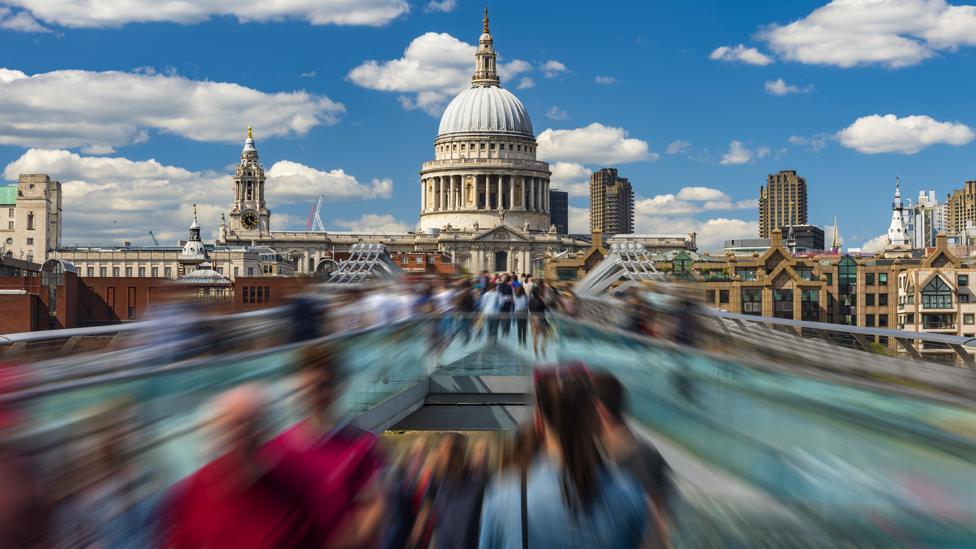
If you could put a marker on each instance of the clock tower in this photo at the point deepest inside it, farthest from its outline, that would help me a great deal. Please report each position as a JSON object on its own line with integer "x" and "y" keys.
{"x": 250, "y": 216}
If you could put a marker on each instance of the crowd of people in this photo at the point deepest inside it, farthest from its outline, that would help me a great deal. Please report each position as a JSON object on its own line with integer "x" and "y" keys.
{"x": 572, "y": 476}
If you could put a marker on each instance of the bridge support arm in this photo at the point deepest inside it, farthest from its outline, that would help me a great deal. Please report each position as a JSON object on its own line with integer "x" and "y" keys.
{"x": 909, "y": 347}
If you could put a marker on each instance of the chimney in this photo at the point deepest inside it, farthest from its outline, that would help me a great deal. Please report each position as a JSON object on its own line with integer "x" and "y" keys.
{"x": 775, "y": 238}
{"x": 597, "y": 238}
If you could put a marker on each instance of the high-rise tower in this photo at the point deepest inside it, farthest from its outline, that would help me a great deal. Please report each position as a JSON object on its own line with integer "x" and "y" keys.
{"x": 250, "y": 215}
{"x": 611, "y": 203}
{"x": 782, "y": 202}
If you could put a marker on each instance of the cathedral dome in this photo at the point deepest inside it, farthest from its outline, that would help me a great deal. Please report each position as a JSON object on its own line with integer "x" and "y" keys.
{"x": 480, "y": 109}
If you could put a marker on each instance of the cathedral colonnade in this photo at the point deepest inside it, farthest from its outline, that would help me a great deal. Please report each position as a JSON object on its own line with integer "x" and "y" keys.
{"x": 484, "y": 192}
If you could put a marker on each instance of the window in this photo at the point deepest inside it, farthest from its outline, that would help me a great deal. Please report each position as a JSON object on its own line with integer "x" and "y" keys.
{"x": 131, "y": 303}
{"x": 10, "y": 225}
{"x": 869, "y": 300}
{"x": 882, "y": 321}
{"x": 168, "y": 272}
{"x": 830, "y": 279}
{"x": 963, "y": 298}
{"x": 142, "y": 272}
{"x": 110, "y": 298}
{"x": 882, "y": 279}
{"x": 723, "y": 296}
{"x": 805, "y": 273}
{"x": 91, "y": 272}
{"x": 752, "y": 301}
{"x": 962, "y": 280}
{"x": 220, "y": 270}
{"x": 810, "y": 305}
{"x": 883, "y": 300}
{"x": 746, "y": 274}
{"x": 869, "y": 321}
{"x": 10, "y": 212}
{"x": 783, "y": 303}
{"x": 236, "y": 271}
{"x": 260, "y": 290}
{"x": 869, "y": 279}
{"x": 128, "y": 272}
{"x": 30, "y": 241}
{"x": 420, "y": 260}
{"x": 103, "y": 271}
{"x": 267, "y": 294}
{"x": 244, "y": 295}
{"x": 155, "y": 272}
{"x": 936, "y": 295}
{"x": 968, "y": 319}
{"x": 30, "y": 221}
{"x": 938, "y": 322}
{"x": 710, "y": 296}
{"x": 910, "y": 318}
{"x": 115, "y": 272}
{"x": 250, "y": 271}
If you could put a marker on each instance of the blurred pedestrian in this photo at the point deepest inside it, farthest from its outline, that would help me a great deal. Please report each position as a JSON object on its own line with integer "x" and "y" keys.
{"x": 568, "y": 497}
{"x": 489, "y": 306}
{"x": 634, "y": 455}
{"x": 540, "y": 326}
{"x": 521, "y": 311}
{"x": 466, "y": 306}
{"x": 232, "y": 502}
{"x": 332, "y": 466}
{"x": 457, "y": 505}
{"x": 507, "y": 303}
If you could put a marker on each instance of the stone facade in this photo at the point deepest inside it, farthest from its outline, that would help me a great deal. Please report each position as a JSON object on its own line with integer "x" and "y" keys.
{"x": 30, "y": 217}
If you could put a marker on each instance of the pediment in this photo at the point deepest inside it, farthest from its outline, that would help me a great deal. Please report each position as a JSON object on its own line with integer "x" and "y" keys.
{"x": 502, "y": 233}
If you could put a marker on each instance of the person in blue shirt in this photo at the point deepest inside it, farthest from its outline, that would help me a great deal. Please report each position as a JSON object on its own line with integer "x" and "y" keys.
{"x": 571, "y": 497}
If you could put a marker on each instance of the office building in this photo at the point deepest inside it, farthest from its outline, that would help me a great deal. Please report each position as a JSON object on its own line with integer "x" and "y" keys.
{"x": 559, "y": 210}
{"x": 782, "y": 202}
{"x": 611, "y": 203}
{"x": 961, "y": 208}
{"x": 928, "y": 218}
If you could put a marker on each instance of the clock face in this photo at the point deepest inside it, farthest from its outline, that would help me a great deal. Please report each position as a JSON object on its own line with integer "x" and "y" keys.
{"x": 250, "y": 220}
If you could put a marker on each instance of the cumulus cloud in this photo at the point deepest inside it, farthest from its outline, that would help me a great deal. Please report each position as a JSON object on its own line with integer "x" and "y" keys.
{"x": 579, "y": 220}
{"x": 293, "y": 182}
{"x": 740, "y": 54}
{"x": 892, "y": 33}
{"x": 525, "y": 83}
{"x": 738, "y": 153}
{"x": 678, "y": 147}
{"x": 442, "y": 6}
{"x": 115, "y": 13}
{"x": 876, "y": 244}
{"x": 555, "y": 113}
{"x": 593, "y": 144}
{"x": 434, "y": 68}
{"x": 606, "y": 80}
{"x": 110, "y": 199}
{"x": 74, "y": 108}
{"x": 571, "y": 177}
{"x": 884, "y": 134}
{"x": 815, "y": 143}
{"x": 689, "y": 201}
{"x": 553, "y": 68}
{"x": 711, "y": 234}
{"x": 780, "y": 87}
{"x": 20, "y": 22}
{"x": 373, "y": 223}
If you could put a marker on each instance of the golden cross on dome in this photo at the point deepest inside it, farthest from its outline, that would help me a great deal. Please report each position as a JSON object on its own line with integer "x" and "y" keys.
{"x": 486, "y": 19}
{"x": 249, "y": 134}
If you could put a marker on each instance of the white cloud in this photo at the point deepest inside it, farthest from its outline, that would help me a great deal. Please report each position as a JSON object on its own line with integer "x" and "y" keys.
{"x": 678, "y": 147}
{"x": 883, "y": 134}
{"x": 571, "y": 177}
{"x": 737, "y": 154}
{"x": 741, "y": 54}
{"x": 442, "y": 6}
{"x": 553, "y": 68}
{"x": 892, "y": 33}
{"x": 373, "y": 223}
{"x": 309, "y": 74}
{"x": 780, "y": 87}
{"x": 434, "y": 68}
{"x": 606, "y": 80}
{"x": 74, "y": 108}
{"x": 876, "y": 244}
{"x": 711, "y": 234}
{"x": 593, "y": 144}
{"x": 525, "y": 83}
{"x": 115, "y": 13}
{"x": 762, "y": 152}
{"x": 111, "y": 199}
{"x": 555, "y": 113}
{"x": 688, "y": 201}
{"x": 815, "y": 143}
{"x": 20, "y": 22}
{"x": 290, "y": 182}
{"x": 579, "y": 220}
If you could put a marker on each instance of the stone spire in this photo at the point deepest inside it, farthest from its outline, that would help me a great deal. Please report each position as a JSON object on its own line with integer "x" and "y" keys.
{"x": 485, "y": 72}
{"x": 897, "y": 232}
{"x": 835, "y": 244}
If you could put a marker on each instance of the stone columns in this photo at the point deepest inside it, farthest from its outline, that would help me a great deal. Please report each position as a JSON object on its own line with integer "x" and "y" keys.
{"x": 454, "y": 192}
{"x": 443, "y": 192}
{"x": 498, "y": 196}
{"x": 423, "y": 196}
{"x": 530, "y": 192}
{"x": 545, "y": 193}
{"x": 511, "y": 192}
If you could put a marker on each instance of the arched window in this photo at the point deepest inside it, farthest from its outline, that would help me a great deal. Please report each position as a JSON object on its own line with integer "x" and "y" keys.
{"x": 30, "y": 221}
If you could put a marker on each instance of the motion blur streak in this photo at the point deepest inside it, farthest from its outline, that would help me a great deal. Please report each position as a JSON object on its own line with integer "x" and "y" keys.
{"x": 620, "y": 422}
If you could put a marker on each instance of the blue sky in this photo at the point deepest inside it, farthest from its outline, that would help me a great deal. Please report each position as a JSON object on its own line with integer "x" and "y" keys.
{"x": 694, "y": 102}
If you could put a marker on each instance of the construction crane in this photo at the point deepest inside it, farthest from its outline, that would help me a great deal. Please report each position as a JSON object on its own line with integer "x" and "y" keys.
{"x": 153, "y": 237}
{"x": 314, "y": 221}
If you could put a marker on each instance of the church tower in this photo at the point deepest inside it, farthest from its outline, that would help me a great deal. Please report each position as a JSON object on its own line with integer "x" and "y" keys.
{"x": 250, "y": 216}
{"x": 898, "y": 236}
